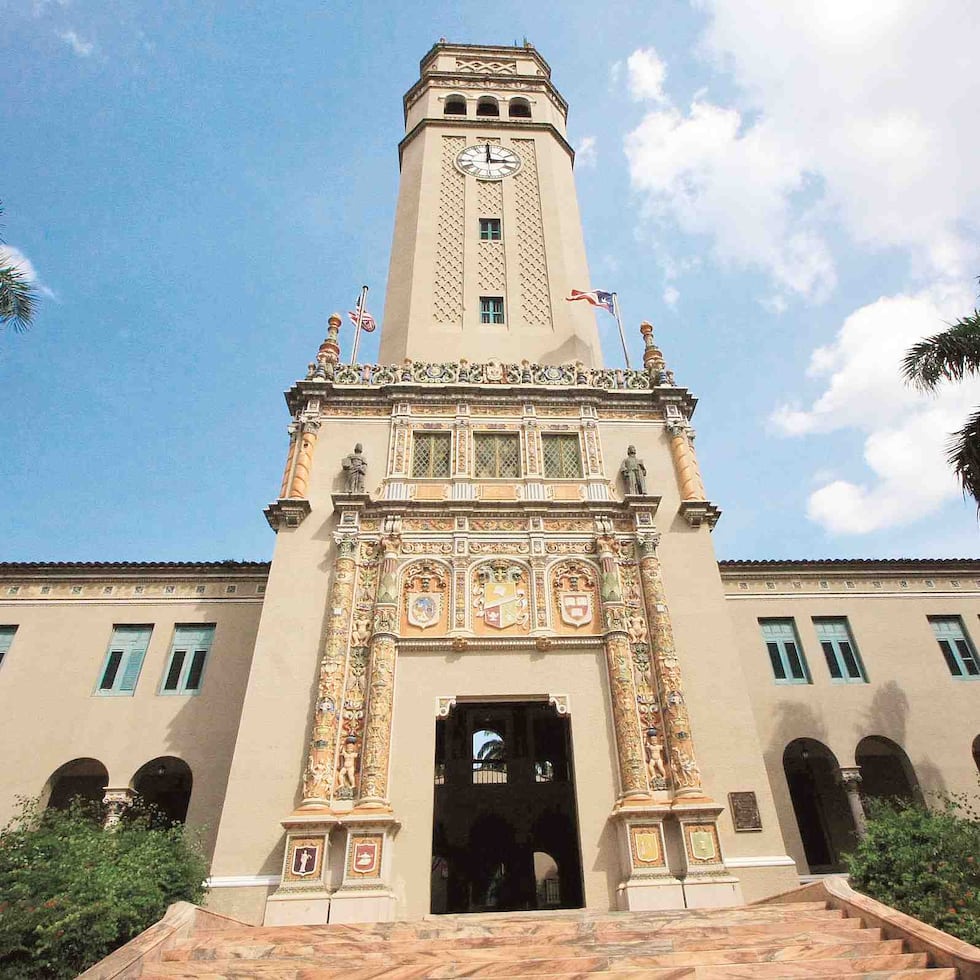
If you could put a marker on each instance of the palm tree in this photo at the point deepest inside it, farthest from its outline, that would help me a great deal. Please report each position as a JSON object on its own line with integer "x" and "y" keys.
{"x": 951, "y": 356}
{"x": 18, "y": 300}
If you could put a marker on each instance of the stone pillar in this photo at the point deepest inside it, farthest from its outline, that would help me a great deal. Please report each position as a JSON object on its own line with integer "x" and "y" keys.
{"x": 633, "y": 781}
{"x": 318, "y": 776}
{"x": 287, "y": 473}
{"x": 681, "y": 762}
{"x": 116, "y": 802}
{"x": 685, "y": 462}
{"x": 373, "y": 790}
{"x": 850, "y": 776}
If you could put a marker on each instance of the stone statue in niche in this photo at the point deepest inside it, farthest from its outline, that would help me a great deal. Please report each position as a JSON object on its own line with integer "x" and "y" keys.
{"x": 654, "y": 750}
{"x": 347, "y": 770}
{"x": 634, "y": 473}
{"x": 355, "y": 466}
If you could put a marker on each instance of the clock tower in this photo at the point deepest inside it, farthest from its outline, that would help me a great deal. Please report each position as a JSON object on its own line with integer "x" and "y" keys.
{"x": 487, "y": 239}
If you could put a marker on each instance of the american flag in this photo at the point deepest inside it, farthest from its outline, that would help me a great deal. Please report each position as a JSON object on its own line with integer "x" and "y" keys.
{"x": 368, "y": 322}
{"x": 595, "y": 297}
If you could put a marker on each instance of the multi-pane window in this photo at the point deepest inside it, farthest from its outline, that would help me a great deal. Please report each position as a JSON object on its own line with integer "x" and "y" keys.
{"x": 124, "y": 660}
{"x": 497, "y": 454}
{"x": 785, "y": 653}
{"x": 490, "y": 230}
{"x": 839, "y": 650}
{"x": 6, "y": 638}
{"x": 188, "y": 655}
{"x": 430, "y": 454}
{"x": 562, "y": 457}
{"x": 491, "y": 309}
{"x": 957, "y": 649}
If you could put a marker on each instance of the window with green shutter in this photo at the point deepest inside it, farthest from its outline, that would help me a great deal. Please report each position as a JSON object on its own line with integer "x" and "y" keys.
{"x": 839, "y": 649}
{"x": 785, "y": 653}
{"x": 957, "y": 650}
{"x": 6, "y": 638}
{"x": 562, "y": 457}
{"x": 188, "y": 655}
{"x": 124, "y": 660}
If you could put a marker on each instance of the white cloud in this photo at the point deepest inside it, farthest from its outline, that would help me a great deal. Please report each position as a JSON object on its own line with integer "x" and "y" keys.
{"x": 646, "y": 73}
{"x": 10, "y": 256}
{"x": 79, "y": 45}
{"x": 671, "y": 296}
{"x": 905, "y": 432}
{"x": 711, "y": 176}
{"x": 585, "y": 152}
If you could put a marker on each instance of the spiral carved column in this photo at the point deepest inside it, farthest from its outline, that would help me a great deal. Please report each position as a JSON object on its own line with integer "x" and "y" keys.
{"x": 318, "y": 776}
{"x": 685, "y": 462}
{"x": 287, "y": 473}
{"x": 622, "y": 690}
{"x": 373, "y": 790}
{"x": 685, "y": 775}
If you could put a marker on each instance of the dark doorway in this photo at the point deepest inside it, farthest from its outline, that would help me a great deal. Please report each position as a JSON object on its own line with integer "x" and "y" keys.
{"x": 819, "y": 803}
{"x": 165, "y": 784}
{"x": 85, "y": 778}
{"x": 886, "y": 773}
{"x": 505, "y": 827}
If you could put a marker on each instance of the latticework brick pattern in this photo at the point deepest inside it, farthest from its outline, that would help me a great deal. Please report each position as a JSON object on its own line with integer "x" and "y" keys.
{"x": 497, "y": 456}
{"x": 491, "y": 266}
{"x": 532, "y": 266}
{"x": 447, "y": 287}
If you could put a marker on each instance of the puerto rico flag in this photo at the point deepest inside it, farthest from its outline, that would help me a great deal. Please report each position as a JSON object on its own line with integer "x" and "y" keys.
{"x": 595, "y": 297}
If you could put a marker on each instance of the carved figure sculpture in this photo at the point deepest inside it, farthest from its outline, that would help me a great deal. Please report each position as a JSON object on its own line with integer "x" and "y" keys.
{"x": 634, "y": 473}
{"x": 347, "y": 770}
{"x": 655, "y": 759}
{"x": 635, "y": 626}
{"x": 355, "y": 466}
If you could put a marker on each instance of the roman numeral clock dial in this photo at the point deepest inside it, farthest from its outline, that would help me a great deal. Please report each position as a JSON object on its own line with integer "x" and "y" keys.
{"x": 488, "y": 161}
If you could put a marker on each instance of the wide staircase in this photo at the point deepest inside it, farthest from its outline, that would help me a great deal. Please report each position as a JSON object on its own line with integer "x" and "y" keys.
{"x": 802, "y": 939}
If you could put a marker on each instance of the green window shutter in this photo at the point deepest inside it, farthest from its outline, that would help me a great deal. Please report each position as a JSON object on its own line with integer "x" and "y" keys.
{"x": 188, "y": 656}
{"x": 6, "y": 638}
{"x": 131, "y": 672}
{"x": 124, "y": 659}
{"x": 785, "y": 653}
{"x": 955, "y": 645}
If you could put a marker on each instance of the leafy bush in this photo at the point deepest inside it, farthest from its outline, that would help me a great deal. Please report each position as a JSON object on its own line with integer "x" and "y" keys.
{"x": 71, "y": 891}
{"x": 924, "y": 862}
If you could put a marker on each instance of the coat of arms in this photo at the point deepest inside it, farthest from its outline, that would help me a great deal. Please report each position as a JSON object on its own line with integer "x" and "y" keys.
{"x": 576, "y": 608}
{"x": 574, "y": 589}
{"x": 646, "y": 841}
{"x": 424, "y": 608}
{"x": 366, "y": 856}
{"x": 501, "y": 598}
{"x": 305, "y": 860}
{"x": 703, "y": 844}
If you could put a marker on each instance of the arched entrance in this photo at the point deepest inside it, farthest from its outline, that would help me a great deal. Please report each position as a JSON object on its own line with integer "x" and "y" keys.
{"x": 505, "y": 831}
{"x": 976, "y": 752}
{"x": 85, "y": 778}
{"x": 820, "y": 804}
{"x": 165, "y": 784}
{"x": 886, "y": 773}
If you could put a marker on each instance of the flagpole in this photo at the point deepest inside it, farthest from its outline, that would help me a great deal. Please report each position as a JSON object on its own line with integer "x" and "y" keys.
{"x": 622, "y": 335}
{"x": 357, "y": 326}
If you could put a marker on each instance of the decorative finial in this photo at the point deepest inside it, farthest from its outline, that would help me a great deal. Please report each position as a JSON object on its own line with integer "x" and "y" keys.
{"x": 653, "y": 358}
{"x": 329, "y": 353}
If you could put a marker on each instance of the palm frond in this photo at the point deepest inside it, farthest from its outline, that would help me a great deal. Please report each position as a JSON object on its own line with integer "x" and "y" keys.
{"x": 18, "y": 300}
{"x": 964, "y": 457}
{"x": 946, "y": 356}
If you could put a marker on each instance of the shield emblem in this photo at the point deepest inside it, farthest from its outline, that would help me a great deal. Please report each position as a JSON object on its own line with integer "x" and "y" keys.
{"x": 500, "y": 604}
{"x": 703, "y": 844}
{"x": 366, "y": 857}
{"x": 305, "y": 860}
{"x": 648, "y": 846}
{"x": 424, "y": 608}
{"x": 576, "y": 608}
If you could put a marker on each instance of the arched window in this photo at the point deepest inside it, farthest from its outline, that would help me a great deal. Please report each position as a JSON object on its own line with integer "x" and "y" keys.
{"x": 455, "y": 105}
{"x": 85, "y": 778}
{"x": 886, "y": 772}
{"x": 487, "y": 106}
{"x": 547, "y": 881}
{"x": 519, "y": 109}
{"x": 165, "y": 783}
{"x": 976, "y": 752}
{"x": 489, "y": 757}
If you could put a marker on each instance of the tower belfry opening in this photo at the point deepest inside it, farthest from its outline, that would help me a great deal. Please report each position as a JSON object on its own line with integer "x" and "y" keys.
{"x": 505, "y": 828}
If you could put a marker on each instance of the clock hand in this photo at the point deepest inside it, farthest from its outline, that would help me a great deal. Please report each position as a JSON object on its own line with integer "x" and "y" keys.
{"x": 489, "y": 160}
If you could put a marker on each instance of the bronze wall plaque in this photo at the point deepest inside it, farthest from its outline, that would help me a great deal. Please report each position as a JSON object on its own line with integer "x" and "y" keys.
{"x": 745, "y": 811}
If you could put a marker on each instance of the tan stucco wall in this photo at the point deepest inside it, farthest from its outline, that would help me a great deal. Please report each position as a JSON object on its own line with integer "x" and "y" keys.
{"x": 910, "y": 697}
{"x": 52, "y": 714}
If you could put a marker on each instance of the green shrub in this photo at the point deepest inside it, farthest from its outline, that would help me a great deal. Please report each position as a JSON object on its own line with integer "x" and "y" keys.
{"x": 924, "y": 862}
{"x": 71, "y": 892}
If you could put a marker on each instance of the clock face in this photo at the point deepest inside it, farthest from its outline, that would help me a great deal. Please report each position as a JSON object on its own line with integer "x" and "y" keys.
{"x": 488, "y": 161}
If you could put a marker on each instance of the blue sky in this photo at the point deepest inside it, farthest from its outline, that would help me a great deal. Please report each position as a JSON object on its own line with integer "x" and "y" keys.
{"x": 789, "y": 194}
